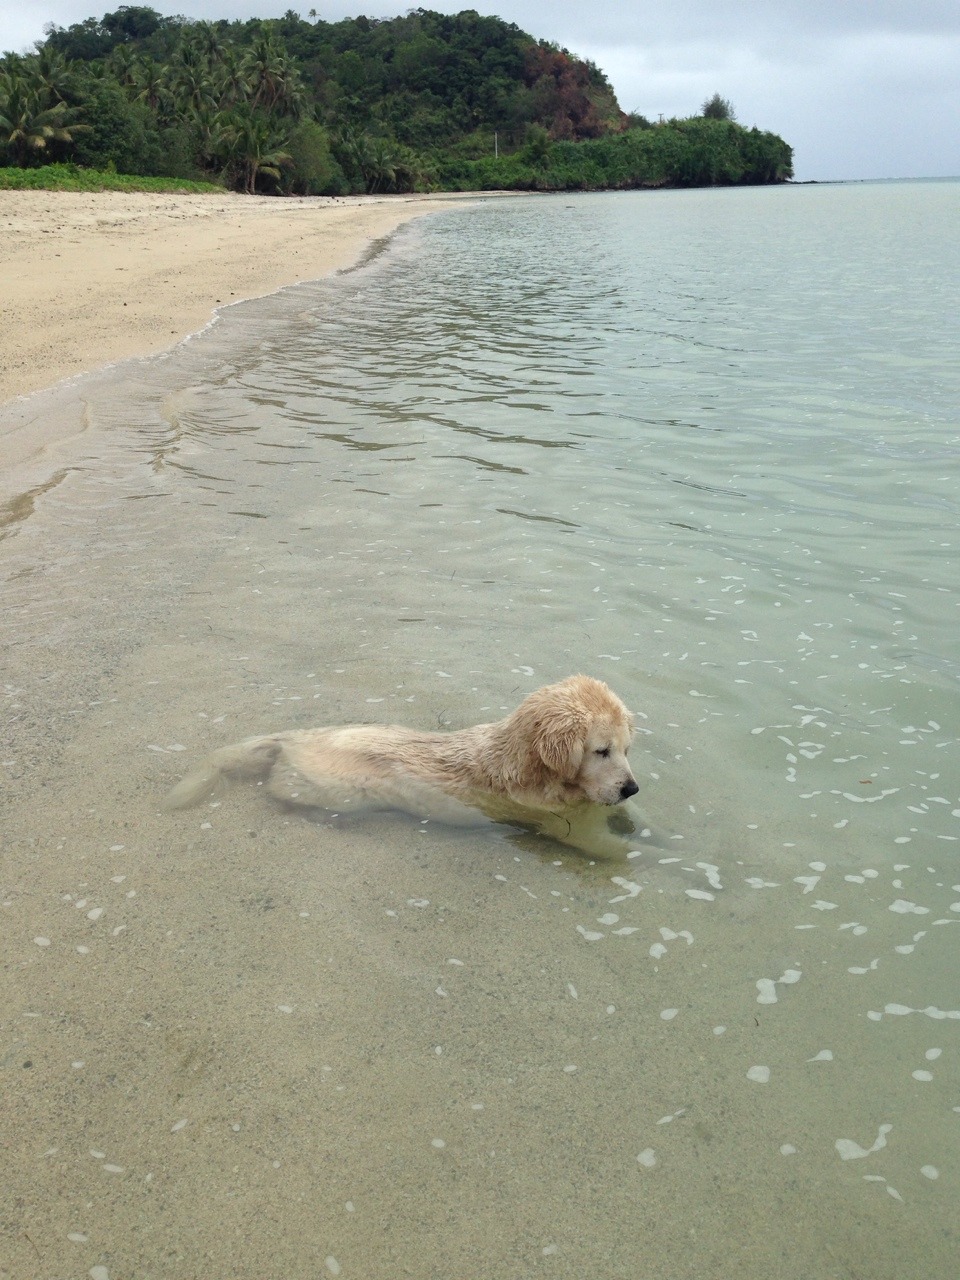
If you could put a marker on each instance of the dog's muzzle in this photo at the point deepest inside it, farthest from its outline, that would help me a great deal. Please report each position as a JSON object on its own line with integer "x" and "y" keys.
{"x": 628, "y": 789}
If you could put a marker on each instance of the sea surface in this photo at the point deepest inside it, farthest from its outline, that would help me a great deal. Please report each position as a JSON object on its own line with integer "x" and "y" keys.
{"x": 703, "y": 445}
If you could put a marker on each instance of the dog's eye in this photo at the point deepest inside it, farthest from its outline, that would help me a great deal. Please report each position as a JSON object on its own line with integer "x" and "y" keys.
{"x": 602, "y": 751}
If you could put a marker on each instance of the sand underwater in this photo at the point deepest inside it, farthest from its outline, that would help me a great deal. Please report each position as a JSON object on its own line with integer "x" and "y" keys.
{"x": 236, "y": 1043}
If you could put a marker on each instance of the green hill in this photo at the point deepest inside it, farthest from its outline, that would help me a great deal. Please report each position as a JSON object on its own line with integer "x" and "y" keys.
{"x": 421, "y": 102}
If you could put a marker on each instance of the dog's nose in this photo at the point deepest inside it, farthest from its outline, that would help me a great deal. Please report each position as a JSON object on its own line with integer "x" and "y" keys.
{"x": 628, "y": 789}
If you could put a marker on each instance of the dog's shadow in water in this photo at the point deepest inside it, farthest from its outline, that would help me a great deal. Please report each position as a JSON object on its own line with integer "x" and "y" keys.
{"x": 589, "y": 831}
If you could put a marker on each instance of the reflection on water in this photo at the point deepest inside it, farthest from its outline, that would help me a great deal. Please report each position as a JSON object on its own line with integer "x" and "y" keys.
{"x": 697, "y": 444}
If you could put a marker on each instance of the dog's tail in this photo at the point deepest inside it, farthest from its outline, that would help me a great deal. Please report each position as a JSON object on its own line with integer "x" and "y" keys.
{"x": 253, "y": 758}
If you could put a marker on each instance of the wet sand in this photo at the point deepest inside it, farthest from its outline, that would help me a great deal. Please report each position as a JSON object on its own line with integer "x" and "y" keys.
{"x": 93, "y": 278}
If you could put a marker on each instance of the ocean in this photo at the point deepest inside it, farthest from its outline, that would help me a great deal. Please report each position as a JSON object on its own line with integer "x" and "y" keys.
{"x": 703, "y": 445}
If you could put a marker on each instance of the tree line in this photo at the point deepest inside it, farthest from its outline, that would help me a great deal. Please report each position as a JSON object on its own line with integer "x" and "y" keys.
{"x": 293, "y": 106}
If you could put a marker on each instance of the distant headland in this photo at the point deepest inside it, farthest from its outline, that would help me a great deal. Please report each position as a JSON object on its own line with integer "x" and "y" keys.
{"x": 287, "y": 106}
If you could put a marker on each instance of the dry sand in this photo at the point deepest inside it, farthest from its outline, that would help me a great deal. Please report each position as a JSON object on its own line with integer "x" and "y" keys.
{"x": 91, "y": 278}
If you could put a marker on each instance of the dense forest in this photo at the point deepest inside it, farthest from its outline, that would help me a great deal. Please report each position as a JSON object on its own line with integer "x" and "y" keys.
{"x": 291, "y": 106}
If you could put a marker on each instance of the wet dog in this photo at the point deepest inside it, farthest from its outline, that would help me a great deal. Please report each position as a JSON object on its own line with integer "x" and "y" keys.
{"x": 561, "y": 753}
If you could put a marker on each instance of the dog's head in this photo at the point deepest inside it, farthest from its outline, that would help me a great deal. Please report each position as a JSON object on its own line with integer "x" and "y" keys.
{"x": 570, "y": 742}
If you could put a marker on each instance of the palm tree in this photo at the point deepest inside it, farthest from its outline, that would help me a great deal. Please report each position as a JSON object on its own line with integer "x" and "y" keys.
{"x": 352, "y": 148}
{"x": 256, "y": 146}
{"x": 378, "y": 163}
{"x": 190, "y": 82}
{"x": 205, "y": 38}
{"x": 408, "y": 169}
{"x": 232, "y": 83}
{"x": 380, "y": 166}
{"x": 53, "y": 73}
{"x": 263, "y": 70}
{"x": 274, "y": 80}
{"x": 150, "y": 81}
{"x": 27, "y": 125}
{"x": 122, "y": 63}
{"x": 213, "y": 137}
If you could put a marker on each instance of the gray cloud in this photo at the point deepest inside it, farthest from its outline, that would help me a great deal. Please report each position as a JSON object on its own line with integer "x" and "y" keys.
{"x": 859, "y": 88}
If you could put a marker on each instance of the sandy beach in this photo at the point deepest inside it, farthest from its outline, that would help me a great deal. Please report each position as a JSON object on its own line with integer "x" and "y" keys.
{"x": 91, "y": 278}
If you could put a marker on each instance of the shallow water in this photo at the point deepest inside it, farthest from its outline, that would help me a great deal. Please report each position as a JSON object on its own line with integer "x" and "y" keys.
{"x": 700, "y": 444}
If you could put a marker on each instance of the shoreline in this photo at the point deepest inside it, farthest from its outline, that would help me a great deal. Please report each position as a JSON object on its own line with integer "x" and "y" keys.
{"x": 96, "y": 278}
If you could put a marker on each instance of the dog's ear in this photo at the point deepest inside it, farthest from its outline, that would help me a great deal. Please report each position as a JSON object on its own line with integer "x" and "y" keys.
{"x": 560, "y": 746}
{"x": 543, "y": 742}
{"x": 556, "y": 729}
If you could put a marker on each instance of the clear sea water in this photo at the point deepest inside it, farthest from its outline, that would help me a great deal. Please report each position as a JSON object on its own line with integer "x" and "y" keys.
{"x": 704, "y": 445}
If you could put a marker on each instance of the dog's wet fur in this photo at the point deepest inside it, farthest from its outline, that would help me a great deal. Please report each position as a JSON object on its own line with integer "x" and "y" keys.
{"x": 555, "y": 764}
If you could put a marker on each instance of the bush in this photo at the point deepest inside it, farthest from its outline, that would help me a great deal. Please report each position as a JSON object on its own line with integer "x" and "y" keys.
{"x": 70, "y": 177}
{"x": 313, "y": 170}
{"x": 117, "y": 132}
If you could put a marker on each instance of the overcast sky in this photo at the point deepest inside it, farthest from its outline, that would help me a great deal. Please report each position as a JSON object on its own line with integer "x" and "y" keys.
{"x": 859, "y": 88}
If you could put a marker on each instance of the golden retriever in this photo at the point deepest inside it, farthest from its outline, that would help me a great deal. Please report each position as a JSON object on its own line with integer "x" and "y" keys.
{"x": 562, "y": 753}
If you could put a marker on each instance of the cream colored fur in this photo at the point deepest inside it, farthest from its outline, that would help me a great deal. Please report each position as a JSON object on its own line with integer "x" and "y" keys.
{"x": 563, "y": 751}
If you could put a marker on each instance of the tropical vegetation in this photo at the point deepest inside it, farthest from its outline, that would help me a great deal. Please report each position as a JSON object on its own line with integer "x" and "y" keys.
{"x": 72, "y": 177}
{"x": 292, "y": 106}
